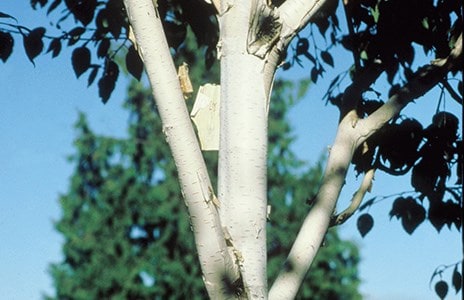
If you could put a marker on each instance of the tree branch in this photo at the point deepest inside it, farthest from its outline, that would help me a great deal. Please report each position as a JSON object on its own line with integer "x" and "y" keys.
{"x": 316, "y": 223}
{"x": 193, "y": 176}
{"x": 451, "y": 91}
{"x": 423, "y": 80}
{"x": 366, "y": 185}
{"x": 295, "y": 14}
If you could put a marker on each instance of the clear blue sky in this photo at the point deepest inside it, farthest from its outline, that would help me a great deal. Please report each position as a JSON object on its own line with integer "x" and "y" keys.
{"x": 38, "y": 107}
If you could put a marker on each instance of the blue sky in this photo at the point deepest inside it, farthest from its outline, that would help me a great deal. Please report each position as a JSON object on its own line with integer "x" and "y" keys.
{"x": 38, "y": 107}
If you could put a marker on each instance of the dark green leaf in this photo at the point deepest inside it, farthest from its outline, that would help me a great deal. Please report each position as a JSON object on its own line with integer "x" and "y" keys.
{"x": 391, "y": 70}
{"x": 116, "y": 17}
{"x": 6, "y": 45}
{"x": 441, "y": 288}
{"x": 327, "y": 58}
{"x": 365, "y": 224}
{"x": 406, "y": 54}
{"x": 75, "y": 34}
{"x": 34, "y": 3}
{"x": 102, "y": 22}
{"x": 286, "y": 65}
{"x": 33, "y": 43}
{"x": 314, "y": 74}
{"x": 106, "y": 86}
{"x": 111, "y": 69}
{"x": 175, "y": 33}
{"x": 457, "y": 279}
{"x": 133, "y": 63}
{"x": 53, "y": 6}
{"x": 83, "y": 11}
{"x": 80, "y": 60}
{"x": 302, "y": 46}
{"x": 92, "y": 76}
{"x": 333, "y": 83}
{"x": 310, "y": 57}
{"x": 411, "y": 213}
{"x": 4, "y": 15}
{"x": 413, "y": 217}
{"x": 367, "y": 204}
{"x": 55, "y": 47}
{"x": 103, "y": 48}
{"x": 323, "y": 25}
{"x": 107, "y": 82}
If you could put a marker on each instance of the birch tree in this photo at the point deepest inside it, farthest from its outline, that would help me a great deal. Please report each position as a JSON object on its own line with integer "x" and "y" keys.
{"x": 229, "y": 220}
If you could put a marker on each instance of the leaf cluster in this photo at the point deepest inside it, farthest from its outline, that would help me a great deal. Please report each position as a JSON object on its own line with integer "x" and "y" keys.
{"x": 98, "y": 33}
{"x": 441, "y": 286}
{"x": 432, "y": 153}
{"x": 388, "y": 30}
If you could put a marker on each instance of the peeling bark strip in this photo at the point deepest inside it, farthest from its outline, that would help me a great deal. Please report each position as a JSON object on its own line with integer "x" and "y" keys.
{"x": 265, "y": 28}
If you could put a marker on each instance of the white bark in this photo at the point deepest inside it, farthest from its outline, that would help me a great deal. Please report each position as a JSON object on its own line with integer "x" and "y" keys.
{"x": 315, "y": 225}
{"x": 295, "y": 14}
{"x": 243, "y": 148}
{"x": 193, "y": 176}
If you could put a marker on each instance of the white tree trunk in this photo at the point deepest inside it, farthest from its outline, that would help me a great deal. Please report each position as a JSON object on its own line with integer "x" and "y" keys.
{"x": 193, "y": 175}
{"x": 243, "y": 148}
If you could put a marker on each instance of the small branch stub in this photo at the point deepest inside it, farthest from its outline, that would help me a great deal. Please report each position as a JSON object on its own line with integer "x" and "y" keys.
{"x": 264, "y": 32}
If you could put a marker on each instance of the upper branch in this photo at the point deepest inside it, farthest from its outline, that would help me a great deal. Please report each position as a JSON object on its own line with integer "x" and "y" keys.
{"x": 295, "y": 14}
{"x": 423, "y": 80}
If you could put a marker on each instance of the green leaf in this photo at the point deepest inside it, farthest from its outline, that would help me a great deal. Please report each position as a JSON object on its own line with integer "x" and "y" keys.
{"x": 425, "y": 23}
{"x": 375, "y": 13}
{"x": 363, "y": 55}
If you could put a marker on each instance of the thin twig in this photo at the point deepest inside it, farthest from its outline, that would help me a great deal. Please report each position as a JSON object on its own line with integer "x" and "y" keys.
{"x": 451, "y": 91}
